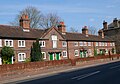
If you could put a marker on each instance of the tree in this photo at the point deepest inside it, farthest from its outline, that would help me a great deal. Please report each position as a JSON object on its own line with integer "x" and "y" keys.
{"x": 37, "y": 18}
{"x": 73, "y": 30}
{"x": 95, "y": 52}
{"x": 50, "y": 20}
{"x": 7, "y": 54}
{"x": 36, "y": 52}
{"x": 34, "y": 15}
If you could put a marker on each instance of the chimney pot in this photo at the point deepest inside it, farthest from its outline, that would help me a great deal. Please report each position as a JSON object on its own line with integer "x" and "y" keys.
{"x": 105, "y": 26}
{"x": 26, "y": 16}
{"x": 101, "y": 33}
{"x": 24, "y": 21}
{"x": 85, "y": 30}
{"x": 61, "y": 27}
{"x": 115, "y": 22}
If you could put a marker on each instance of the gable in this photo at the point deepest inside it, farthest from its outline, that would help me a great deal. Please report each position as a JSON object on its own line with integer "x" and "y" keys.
{"x": 52, "y": 31}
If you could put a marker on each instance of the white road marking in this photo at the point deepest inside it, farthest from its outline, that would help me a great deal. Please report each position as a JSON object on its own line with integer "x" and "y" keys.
{"x": 114, "y": 67}
{"x": 85, "y": 75}
{"x": 78, "y": 76}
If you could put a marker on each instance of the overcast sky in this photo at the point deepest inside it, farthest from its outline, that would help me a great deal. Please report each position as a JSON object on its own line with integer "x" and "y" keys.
{"x": 75, "y": 13}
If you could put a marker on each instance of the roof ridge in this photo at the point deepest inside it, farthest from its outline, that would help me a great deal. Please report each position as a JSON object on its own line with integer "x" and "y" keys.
{"x": 10, "y": 26}
{"x": 80, "y": 33}
{"x": 74, "y": 32}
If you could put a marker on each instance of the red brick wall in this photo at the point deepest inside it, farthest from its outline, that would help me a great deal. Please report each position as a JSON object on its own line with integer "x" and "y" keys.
{"x": 47, "y": 64}
{"x": 33, "y": 65}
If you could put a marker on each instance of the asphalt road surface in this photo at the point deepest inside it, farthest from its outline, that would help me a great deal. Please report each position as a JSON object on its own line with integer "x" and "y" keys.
{"x": 102, "y": 74}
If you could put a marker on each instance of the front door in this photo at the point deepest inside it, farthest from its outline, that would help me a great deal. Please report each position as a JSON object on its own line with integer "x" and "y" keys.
{"x": 51, "y": 56}
{"x": 84, "y": 53}
{"x": 81, "y": 54}
{"x": 57, "y": 56}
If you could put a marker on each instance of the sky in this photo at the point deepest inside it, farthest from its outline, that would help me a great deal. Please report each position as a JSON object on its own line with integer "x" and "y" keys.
{"x": 74, "y": 13}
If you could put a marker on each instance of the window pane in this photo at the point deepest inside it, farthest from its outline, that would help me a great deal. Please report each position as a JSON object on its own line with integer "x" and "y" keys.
{"x": 20, "y": 57}
{"x": 64, "y": 53}
{"x": 7, "y": 43}
{"x": 89, "y": 43}
{"x": 22, "y": 43}
{"x": 54, "y": 37}
{"x": 0, "y": 42}
{"x": 81, "y": 43}
{"x": 64, "y": 44}
{"x": 19, "y": 43}
{"x": 76, "y": 52}
{"x": 54, "y": 44}
{"x": 75, "y": 43}
{"x": 10, "y": 43}
{"x": 85, "y": 43}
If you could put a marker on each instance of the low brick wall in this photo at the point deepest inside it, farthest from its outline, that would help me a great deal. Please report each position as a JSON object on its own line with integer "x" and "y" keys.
{"x": 32, "y": 65}
{"x": 100, "y": 57}
{"x": 50, "y": 64}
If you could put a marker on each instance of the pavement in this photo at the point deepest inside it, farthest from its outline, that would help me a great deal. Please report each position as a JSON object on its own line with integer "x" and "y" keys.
{"x": 34, "y": 74}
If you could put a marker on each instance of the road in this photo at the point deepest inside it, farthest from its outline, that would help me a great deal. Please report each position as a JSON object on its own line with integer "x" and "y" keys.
{"x": 102, "y": 74}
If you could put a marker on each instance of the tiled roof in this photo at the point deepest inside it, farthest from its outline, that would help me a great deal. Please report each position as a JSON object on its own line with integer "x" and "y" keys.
{"x": 82, "y": 37}
{"x": 17, "y": 32}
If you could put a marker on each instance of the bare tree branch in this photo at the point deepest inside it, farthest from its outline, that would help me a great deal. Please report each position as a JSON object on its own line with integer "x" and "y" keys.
{"x": 50, "y": 20}
{"x": 37, "y": 19}
{"x": 92, "y": 30}
{"x": 73, "y": 30}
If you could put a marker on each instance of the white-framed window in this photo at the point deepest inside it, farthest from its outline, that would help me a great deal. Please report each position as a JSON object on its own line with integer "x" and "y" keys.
{"x": 9, "y": 43}
{"x": 54, "y": 39}
{"x": 42, "y": 43}
{"x": 113, "y": 44}
{"x": 21, "y": 57}
{"x": 64, "y": 44}
{"x": 85, "y": 43}
{"x": 54, "y": 43}
{"x": 0, "y": 42}
{"x": 75, "y": 43}
{"x": 89, "y": 43}
{"x": 100, "y": 44}
{"x": 44, "y": 55}
{"x": 105, "y": 43}
{"x": 76, "y": 52}
{"x": 21, "y": 43}
{"x": 64, "y": 53}
{"x": 81, "y": 43}
{"x": 110, "y": 44}
{"x": 96, "y": 43}
{"x": 89, "y": 52}
{"x": 106, "y": 50}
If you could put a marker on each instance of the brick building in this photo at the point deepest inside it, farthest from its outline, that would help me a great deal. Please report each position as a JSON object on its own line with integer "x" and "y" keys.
{"x": 112, "y": 30}
{"x": 56, "y": 43}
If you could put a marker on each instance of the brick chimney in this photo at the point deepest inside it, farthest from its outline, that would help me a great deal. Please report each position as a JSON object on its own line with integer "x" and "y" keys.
{"x": 115, "y": 22}
{"x": 24, "y": 21}
{"x": 105, "y": 26}
{"x": 61, "y": 27}
{"x": 101, "y": 33}
{"x": 85, "y": 31}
